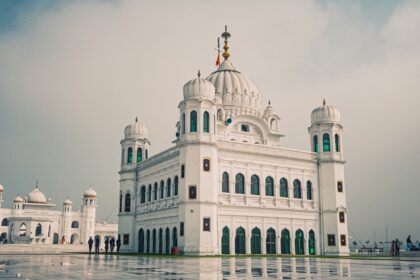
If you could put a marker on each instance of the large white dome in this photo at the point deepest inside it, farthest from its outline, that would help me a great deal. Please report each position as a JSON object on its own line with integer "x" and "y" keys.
{"x": 325, "y": 114}
{"x": 136, "y": 130}
{"x": 36, "y": 196}
{"x": 199, "y": 88}
{"x": 90, "y": 193}
{"x": 18, "y": 199}
{"x": 234, "y": 88}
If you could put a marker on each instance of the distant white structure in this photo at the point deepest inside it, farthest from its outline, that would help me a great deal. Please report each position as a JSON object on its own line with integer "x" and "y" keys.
{"x": 227, "y": 186}
{"x": 32, "y": 221}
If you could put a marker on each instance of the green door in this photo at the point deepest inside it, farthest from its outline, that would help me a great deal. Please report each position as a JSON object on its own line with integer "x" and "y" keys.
{"x": 285, "y": 241}
{"x": 299, "y": 243}
{"x": 311, "y": 242}
{"x": 256, "y": 241}
{"x": 271, "y": 241}
{"x": 225, "y": 241}
{"x": 240, "y": 241}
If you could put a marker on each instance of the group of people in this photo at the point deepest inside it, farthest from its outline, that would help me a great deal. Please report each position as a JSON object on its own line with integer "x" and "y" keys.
{"x": 110, "y": 244}
{"x": 410, "y": 246}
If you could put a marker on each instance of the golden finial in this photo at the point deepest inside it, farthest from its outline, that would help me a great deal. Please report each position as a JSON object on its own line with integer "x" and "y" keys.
{"x": 324, "y": 102}
{"x": 226, "y": 35}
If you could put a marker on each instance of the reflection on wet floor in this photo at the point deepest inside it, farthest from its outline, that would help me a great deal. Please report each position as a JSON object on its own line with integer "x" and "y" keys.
{"x": 129, "y": 267}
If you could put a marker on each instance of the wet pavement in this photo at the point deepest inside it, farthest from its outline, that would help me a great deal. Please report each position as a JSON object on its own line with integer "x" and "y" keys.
{"x": 75, "y": 266}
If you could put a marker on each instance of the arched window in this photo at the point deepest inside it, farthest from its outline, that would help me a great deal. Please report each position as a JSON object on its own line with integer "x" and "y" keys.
{"x": 315, "y": 143}
{"x": 127, "y": 207}
{"x": 225, "y": 241}
{"x": 239, "y": 183}
{"x": 160, "y": 241}
{"x": 168, "y": 187}
{"x": 167, "y": 241}
{"x": 256, "y": 241}
{"x": 337, "y": 142}
{"x": 162, "y": 185}
{"x": 154, "y": 241}
{"x": 297, "y": 189}
{"x": 225, "y": 182}
{"x": 149, "y": 193}
{"x": 176, "y": 182}
{"x": 183, "y": 123}
{"x": 130, "y": 155}
{"x": 309, "y": 190}
{"x": 120, "y": 202}
{"x": 240, "y": 241}
{"x": 206, "y": 122}
{"x": 269, "y": 186}
{"x": 174, "y": 237}
{"x": 75, "y": 224}
{"x": 284, "y": 188}
{"x": 193, "y": 121}
{"x": 255, "y": 185}
{"x": 142, "y": 194}
{"x": 148, "y": 241}
{"x": 285, "y": 241}
{"x": 271, "y": 241}
{"x": 38, "y": 230}
{"x": 311, "y": 242}
{"x": 5, "y": 222}
{"x": 22, "y": 230}
{"x": 326, "y": 147}
{"x": 139, "y": 154}
{"x": 299, "y": 243}
{"x": 155, "y": 190}
{"x": 147, "y": 154}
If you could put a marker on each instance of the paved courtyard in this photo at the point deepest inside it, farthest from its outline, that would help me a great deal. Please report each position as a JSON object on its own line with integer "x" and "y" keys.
{"x": 80, "y": 266}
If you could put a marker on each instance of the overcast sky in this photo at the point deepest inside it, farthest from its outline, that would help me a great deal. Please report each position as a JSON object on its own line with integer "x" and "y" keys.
{"x": 74, "y": 73}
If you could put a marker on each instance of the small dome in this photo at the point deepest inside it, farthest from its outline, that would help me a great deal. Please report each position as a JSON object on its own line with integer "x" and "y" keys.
{"x": 136, "y": 130}
{"x": 36, "y": 196}
{"x": 1, "y": 188}
{"x": 18, "y": 199}
{"x": 67, "y": 202}
{"x": 199, "y": 88}
{"x": 325, "y": 114}
{"x": 90, "y": 193}
{"x": 234, "y": 88}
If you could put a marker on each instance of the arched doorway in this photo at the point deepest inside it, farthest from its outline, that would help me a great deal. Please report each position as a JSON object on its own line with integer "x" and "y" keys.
{"x": 256, "y": 241}
{"x": 3, "y": 237}
{"x": 167, "y": 241}
{"x": 56, "y": 238}
{"x": 160, "y": 241}
{"x": 141, "y": 241}
{"x": 174, "y": 237}
{"x": 285, "y": 241}
{"x": 154, "y": 241}
{"x": 271, "y": 241}
{"x": 38, "y": 230}
{"x": 311, "y": 242}
{"x": 240, "y": 241}
{"x": 299, "y": 243}
{"x": 74, "y": 238}
{"x": 148, "y": 241}
{"x": 225, "y": 241}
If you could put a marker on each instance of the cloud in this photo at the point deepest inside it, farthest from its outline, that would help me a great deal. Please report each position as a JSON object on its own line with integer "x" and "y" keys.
{"x": 73, "y": 74}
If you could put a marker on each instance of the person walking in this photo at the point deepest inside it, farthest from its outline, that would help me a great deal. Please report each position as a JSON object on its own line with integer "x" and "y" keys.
{"x": 409, "y": 243}
{"x": 90, "y": 243}
{"x": 118, "y": 244}
{"x": 112, "y": 244}
{"x": 106, "y": 244}
{"x": 397, "y": 248}
{"x": 97, "y": 243}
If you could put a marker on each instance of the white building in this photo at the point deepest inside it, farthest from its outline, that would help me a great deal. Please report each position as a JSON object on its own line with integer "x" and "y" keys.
{"x": 227, "y": 186}
{"x": 33, "y": 221}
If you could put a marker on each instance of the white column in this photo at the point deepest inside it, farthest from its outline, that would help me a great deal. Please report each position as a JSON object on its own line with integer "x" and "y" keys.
{"x": 263, "y": 247}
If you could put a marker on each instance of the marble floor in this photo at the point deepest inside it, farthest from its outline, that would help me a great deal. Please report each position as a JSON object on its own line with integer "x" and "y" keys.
{"x": 78, "y": 266}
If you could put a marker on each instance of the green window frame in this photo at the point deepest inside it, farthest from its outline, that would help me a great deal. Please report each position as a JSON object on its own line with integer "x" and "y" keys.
{"x": 311, "y": 242}
{"x": 315, "y": 143}
{"x": 284, "y": 188}
{"x": 269, "y": 186}
{"x": 239, "y": 183}
{"x": 139, "y": 154}
{"x": 255, "y": 185}
{"x": 309, "y": 190}
{"x": 299, "y": 243}
{"x": 326, "y": 145}
{"x": 285, "y": 241}
{"x": 130, "y": 155}
{"x": 225, "y": 241}
{"x": 297, "y": 189}
{"x": 225, "y": 182}
{"x": 206, "y": 122}
{"x": 193, "y": 121}
{"x": 337, "y": 142}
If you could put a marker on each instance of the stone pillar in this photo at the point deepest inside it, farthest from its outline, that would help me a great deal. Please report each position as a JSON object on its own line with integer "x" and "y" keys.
{"x": 292, "y": 243}
{"x": 306, "y": 246}
{"x": 278, "y": 244}
{"x": 232, "y": 244}
{"x": 263, "y": 247}
{"x": 247, "y": 244}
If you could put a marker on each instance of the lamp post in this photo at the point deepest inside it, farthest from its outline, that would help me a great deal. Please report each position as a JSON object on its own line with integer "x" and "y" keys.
{"x": 386, "y": 233}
